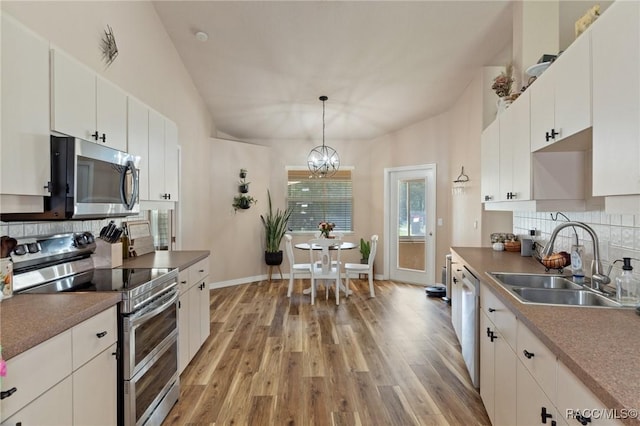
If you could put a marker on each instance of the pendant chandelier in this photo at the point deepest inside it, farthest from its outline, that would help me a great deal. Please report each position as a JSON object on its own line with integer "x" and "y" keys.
{"x": 323, "y": 161}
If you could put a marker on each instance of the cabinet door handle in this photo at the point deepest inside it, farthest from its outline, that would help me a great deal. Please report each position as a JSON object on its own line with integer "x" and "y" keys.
{"x": 493, "y": 336}
{"x": 489, "y": 332}
{"x": 103, "y": 138}
{"x": 95, "y": 135}
{"x": 183, "y": 282}
{"x": 491, "y": 310}
{"x": 544, "y": 415}
{"x": 488, "y": 197}
{"x": 8, "y": 393}
{"x": 101, "y": 334}
{"x": 528, "y": 354}
{"x": 551, "y": 135}
{"x": 201, "y": 270}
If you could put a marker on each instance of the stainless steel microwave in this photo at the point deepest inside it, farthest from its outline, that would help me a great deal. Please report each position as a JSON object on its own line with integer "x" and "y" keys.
{"x": 88, "y": 181}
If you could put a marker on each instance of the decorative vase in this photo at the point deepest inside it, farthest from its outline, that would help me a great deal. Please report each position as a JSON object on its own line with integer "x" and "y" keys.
{"x": 273, "y": 258}
{"x": 244, "y": 188}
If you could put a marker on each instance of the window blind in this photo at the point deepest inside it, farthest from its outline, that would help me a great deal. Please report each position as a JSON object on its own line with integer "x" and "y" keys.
{"x": 316, "y": 200}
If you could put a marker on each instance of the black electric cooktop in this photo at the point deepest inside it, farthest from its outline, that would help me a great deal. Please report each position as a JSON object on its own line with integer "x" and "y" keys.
{"x": 121, "y": 280}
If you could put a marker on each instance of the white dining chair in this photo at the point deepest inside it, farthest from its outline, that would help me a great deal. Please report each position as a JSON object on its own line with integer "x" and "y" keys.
{"x": 294, "y": 268}
{"x": 325, "y": 269}
{"x": 360, "y": 268}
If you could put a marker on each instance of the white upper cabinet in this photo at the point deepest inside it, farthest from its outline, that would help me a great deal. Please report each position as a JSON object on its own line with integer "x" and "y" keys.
{"x": 490, "y": 162}
{"x": 85, "y": 105}
{"x": 111, "y": 114}
{"x": 138, "y": 141}
{"x": 163, "y": 158}
{"x": 616, "y": 100}
{"x": 561, "y": 97}
{"x": 506, "y": 155}
{"x": 515, "y": 152}
{"x": 24, "y": 170}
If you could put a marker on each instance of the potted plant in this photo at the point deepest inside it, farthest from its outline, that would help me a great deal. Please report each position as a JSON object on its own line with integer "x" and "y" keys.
{"x": 275, "y": 226}
{"x": 365, "y": 250}
{"x": 243, "y": 202}
{"x": 243, "y": 173}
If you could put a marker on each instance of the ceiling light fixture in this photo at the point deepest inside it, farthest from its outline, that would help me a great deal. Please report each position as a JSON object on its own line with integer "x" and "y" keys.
{"x": 202, "y": 36}
{"x": 323, "y": 161}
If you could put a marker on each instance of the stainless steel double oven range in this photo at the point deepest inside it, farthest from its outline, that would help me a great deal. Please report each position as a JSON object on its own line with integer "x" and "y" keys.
{"x": 147, "y": 321}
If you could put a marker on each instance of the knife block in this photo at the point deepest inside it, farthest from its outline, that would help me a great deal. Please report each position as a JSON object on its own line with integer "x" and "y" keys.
{"x": 107, "y": 256}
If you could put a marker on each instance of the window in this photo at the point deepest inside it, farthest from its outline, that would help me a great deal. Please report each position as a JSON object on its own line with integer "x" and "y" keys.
{"x": 317, "y": 200}
{"x": 411, "y": 217}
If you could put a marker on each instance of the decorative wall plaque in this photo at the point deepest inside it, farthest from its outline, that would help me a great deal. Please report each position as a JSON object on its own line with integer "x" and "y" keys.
{"x": 108, "y": 46}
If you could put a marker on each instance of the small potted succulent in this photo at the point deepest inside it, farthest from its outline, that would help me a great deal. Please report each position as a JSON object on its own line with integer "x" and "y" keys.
{"x": 365, "y": 250}
{"x": 243, "y": 202}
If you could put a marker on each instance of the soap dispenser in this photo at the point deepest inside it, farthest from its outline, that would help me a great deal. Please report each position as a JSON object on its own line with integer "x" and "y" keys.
{"x": 577, "y": 253}
{"x": 627, "y": 287}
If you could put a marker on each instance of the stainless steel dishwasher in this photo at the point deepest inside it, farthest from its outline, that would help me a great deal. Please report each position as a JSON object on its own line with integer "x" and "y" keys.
{"x": 470, "y": 310}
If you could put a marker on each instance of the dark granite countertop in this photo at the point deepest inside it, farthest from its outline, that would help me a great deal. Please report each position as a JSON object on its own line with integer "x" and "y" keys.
{"x": 26, "y": 320}
{"x": 600, "y": 346}
{"x": 166, "y": 259}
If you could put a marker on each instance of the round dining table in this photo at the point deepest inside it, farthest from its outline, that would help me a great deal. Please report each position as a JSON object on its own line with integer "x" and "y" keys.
{"x": 344, "y": 245}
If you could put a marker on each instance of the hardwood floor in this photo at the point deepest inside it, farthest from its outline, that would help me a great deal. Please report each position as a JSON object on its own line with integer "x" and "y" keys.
{"x": 270, "y": 360}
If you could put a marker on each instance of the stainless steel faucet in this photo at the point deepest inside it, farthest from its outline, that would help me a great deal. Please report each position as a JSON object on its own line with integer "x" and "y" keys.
{"x": 597, "y": 277}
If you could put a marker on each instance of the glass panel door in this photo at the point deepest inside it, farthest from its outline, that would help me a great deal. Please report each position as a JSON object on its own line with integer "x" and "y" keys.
{"x": 411, "y": 222}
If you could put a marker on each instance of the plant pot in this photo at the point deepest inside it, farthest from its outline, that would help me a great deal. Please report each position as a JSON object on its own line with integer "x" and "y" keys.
{"x": 243, "y": 175}
{"x": 244, "y": 188}
{"x": 364, "y": 261}
{"x": 273, "y": 258}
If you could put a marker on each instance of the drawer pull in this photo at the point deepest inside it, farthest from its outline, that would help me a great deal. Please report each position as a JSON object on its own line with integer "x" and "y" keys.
{"x": 183, "y": 282}
{"x": 101, "y": 334}
{"x": 8, "y": 393}
{"x": 528, "y": 354}
{"x": 491, "y": 310}
{"x": 201, "y": 270}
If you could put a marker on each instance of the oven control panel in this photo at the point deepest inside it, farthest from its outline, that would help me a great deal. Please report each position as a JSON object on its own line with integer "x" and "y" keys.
{"x": 33, "y": 251}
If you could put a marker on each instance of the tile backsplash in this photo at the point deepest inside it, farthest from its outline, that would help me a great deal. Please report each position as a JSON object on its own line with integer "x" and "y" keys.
{"x": 31, "y": 229}
{"x": 618, "y": 235}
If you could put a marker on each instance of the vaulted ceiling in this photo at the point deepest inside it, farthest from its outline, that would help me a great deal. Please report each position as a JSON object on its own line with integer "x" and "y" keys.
{"x": 383, "y": 65}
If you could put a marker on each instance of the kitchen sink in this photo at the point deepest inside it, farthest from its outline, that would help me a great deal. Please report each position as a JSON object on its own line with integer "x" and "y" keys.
{"x": 536, "y": 280}
{"x": 551, "y": 290}
{"x": 565, "y": 297}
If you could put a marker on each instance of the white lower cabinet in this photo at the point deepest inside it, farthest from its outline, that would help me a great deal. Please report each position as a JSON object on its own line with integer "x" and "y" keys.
{"x": 521, "y": 380}
{"x": 95, "y": 390}
{"x": 578, "y": 405}
{"x": 194, "y": 315}
{"x": 52, "y": 408}
{"x": 533, "y": 406}
{"x": 497, "y": 361}
{"x": 76, "y": 375}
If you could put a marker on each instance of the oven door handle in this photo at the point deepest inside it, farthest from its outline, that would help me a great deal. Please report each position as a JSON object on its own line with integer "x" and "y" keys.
{"x": 144, "y": 315}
